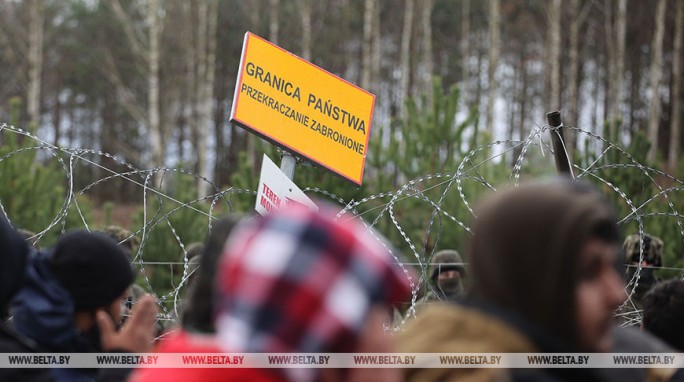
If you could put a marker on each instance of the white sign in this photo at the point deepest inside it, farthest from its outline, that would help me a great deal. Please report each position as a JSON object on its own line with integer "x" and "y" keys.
{"x": 276, "y": 190}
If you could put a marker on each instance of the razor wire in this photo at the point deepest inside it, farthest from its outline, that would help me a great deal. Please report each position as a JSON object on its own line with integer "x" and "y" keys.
{"x": 429, "y": 191}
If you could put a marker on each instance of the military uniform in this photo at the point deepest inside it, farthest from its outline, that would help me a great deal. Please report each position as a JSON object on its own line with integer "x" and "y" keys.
{"x": 650, "y": 258}
{"x": 442, "y": 261}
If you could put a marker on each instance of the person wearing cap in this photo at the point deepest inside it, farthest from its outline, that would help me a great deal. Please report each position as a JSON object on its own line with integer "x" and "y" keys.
{"x": 299, "y": 281}
{"x": 646, "y": 251}
{"x": 446, "y": 276}
{"x": 72, "y": 300}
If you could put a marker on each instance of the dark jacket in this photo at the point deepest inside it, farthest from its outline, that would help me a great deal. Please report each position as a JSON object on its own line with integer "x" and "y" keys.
{"x": 43, "y": 312}
{"x": 13, "y": 254}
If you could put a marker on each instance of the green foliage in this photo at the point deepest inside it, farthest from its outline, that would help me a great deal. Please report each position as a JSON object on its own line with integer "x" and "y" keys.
{"x": 164, "y": 217}
{"x": 33, "y": 192}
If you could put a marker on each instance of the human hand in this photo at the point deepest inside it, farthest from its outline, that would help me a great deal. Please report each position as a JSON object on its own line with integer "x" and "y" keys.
{"x": 137, "y": 333}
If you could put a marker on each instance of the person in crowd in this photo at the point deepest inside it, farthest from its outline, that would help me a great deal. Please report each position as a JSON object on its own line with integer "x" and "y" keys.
{"x": 300, "y": 281}
{"x": 631, "y": 339}
{"x": 130, "y": 244}
{"x": 72, "y": 301}
{"x": 544, "y": 274}
{"x": 194, "y": 253}
{"x": 14, "y": 252}
{"x": 647, "y": 251}
{"x": 196, "y": 334}
{"x": 332, "y": 283}
{"x": 446, "y": 275}
{"x": 664, "y": 312}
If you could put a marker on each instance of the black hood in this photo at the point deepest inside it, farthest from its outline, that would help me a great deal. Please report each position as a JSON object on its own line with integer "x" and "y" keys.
{"x": 13, "y": 253}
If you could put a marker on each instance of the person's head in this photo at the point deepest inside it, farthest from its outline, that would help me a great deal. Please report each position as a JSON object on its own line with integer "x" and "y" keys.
{"x": 300, "y": 281}
{"x": 447, "y": 272}
{"x": 198, "y": 308}
{"x": 125, "y": 238}
{"x": 95, "y": 271}
{"x": 548, "y": 252}
{"x": 647, "y": 251}
{"x": 13, "y": 254}
{"x": 664, "y": 312}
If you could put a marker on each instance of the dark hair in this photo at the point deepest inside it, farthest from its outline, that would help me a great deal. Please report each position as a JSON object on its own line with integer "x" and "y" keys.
{"x": 524, "y": 253}
{"x": 664, "y": 312}
{"x": 198, "y": 308}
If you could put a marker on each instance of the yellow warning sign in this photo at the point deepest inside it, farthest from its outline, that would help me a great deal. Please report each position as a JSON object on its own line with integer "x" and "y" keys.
{"x": 297, "y": 105}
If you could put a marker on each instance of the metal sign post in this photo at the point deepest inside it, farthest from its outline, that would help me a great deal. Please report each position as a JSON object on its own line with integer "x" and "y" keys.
{"x": 288, "y": 164}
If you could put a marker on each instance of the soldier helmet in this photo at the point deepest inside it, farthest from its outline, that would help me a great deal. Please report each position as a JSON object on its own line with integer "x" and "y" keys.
{"x": 652, "y": 249}
{"x": 124, "y": 237}
{"x": 446, "y": 259}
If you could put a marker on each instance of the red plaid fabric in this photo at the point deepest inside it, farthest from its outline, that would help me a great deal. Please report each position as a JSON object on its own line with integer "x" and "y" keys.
{"x": 299, "y": 281}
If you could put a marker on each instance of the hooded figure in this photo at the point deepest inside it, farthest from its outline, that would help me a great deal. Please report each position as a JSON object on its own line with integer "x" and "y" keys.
{"x": 14, "y": 252}
{"x": 543, "y": 272}
{"x": 299, "y": 281}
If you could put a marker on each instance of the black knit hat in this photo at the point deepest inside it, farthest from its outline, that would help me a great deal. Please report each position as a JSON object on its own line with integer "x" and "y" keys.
{"x": 92, "y": 267}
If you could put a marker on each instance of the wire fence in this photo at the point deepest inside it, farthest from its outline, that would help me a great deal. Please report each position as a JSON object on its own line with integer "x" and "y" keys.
{"x": 431, "y": 190}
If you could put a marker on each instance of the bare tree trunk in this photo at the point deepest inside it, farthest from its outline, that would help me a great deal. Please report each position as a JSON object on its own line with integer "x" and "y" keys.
{"x": 190, "y": 112}
{"x": 305, "y": 9}
{"x": 523, "y": 103}
{"x": 274, "y": 24}
{"x": 35, "y": 61}
{"x": 367, "y": 43}
{"x": 656, "y": 74}
{"x": 206, "y": 46}
{"x": 57, "y": 119}
{"x": 465, "y": 49}
{"x": 428, "y": 66}
{"x": 494, "y": 33}
{"x": 405, "y": 60}
{"x": 675, "y": 128}
{"x": 254, "y": 14}
{"x": 615, "y": 46}
{"x": 577, "y": 18}
{"x": 375, "y": 51}
{"x": 153, "y": 84}
{"x": 553, "y": 57}
{"x": 619, "y": 75}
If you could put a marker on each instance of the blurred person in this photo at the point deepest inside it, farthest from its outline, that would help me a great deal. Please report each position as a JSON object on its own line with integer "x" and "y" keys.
{"x": 664, "y": 312}
{"x": 198, "y": 308}
{"x": 544, "y": 279}
{"x": 14, "y": 252}
{"x": 72, "y": 301}
{"x": 631, "y": 339}
{"x": 194, "y": 253}
{"x": 446, "y": 275}
{"x": 130, "y": 243}
{"x": 332, "y": 283}
{"x": 299, "y": 281}
{"x": 196, "y": 334}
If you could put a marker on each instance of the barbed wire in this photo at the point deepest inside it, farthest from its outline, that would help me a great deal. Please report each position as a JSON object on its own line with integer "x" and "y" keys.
{"x": 430, "y": 191}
